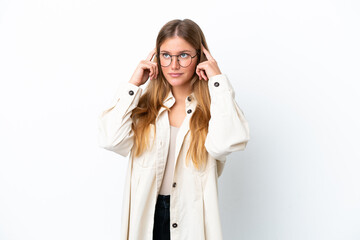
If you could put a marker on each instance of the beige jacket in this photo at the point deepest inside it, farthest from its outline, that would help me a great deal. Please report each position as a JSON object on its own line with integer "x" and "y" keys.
{"x": 194, "y": 210}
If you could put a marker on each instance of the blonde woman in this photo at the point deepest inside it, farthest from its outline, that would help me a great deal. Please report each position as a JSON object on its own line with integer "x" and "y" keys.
{"x": 177, "y": 132}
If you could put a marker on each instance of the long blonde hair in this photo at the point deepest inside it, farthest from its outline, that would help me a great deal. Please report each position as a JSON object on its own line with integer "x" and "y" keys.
{"x": 157, "y": 90}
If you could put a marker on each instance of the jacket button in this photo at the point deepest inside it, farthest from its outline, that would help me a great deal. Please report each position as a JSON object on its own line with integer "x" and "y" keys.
{"x": 174, "y": 225}
{"x": 189, "y": 99}
{"x": 131, "y": 92}
{"x": 216, "y": 84}
{"x": 189, "y": 111}
{"x": 174, "y": 184}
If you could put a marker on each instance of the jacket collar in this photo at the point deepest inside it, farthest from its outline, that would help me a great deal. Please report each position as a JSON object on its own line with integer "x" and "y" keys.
{"x": 170, "y": 100}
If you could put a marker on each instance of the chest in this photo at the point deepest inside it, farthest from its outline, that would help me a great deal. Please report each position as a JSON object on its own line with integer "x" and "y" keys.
{"x": 177, "y": 115}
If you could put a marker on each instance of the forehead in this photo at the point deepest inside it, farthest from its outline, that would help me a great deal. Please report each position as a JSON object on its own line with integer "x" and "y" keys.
{"x": 176, "y": 45}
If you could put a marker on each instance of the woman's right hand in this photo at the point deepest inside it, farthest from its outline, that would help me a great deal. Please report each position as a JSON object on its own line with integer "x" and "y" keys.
{"x": 145, "y": 69}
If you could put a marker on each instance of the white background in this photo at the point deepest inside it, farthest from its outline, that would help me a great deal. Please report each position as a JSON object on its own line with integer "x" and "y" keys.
{"x": 295, "y": 69}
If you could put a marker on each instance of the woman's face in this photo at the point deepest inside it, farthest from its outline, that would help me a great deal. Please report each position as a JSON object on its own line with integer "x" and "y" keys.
{"x": 175, "y": 46}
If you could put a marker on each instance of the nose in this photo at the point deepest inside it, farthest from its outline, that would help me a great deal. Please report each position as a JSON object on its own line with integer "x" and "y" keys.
{"x": 174, "y": 63}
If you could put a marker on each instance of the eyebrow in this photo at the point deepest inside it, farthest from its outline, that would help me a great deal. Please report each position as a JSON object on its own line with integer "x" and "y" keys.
{"x": 179, "y": 51}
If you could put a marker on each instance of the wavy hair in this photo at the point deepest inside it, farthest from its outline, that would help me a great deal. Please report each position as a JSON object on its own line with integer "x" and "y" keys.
{"x": 157, "y": 90}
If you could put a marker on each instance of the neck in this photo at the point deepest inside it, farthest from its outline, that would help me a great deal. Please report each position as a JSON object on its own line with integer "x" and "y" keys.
{"x": 181, "y": 92}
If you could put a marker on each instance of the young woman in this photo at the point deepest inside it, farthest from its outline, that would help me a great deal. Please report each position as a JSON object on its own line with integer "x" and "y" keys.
{"x": 178, "y": 132}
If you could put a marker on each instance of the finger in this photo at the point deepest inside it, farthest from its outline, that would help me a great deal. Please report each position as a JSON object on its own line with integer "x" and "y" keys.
{"x": 204, "y": 75}
{"x": 207, "y": 53}
{"x": 155, "y": 71}
{"x": 151, "y": 54}
{"x": 152, "y": 71}
{"x": 198, "y": 71}
{"x": 199, "y": 76}
{"x": 200, "y": 68}
{"x": 147, "y": 66}
{"x": 155, "y": 68}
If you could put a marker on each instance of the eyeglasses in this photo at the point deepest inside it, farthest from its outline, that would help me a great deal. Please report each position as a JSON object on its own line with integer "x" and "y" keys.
{"x": 184, "y": 61}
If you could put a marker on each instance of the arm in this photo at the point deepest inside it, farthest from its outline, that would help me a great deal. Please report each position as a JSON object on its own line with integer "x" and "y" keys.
{"x": 228, "y": 128}
{"x": 114, "y": 123}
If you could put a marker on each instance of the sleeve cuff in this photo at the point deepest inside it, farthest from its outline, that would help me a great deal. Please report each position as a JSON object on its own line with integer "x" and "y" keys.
{"x": 129, "y": 95}
{"x": 220, "y": 83}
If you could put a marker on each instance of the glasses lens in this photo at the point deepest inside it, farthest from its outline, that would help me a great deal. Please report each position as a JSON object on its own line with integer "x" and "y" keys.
{"x": 165, "y": 59}
{"x": 185, "y": 60}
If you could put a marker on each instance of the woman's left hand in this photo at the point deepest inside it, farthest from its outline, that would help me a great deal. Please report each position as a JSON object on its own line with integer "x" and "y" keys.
{"x": 208, "y": 68}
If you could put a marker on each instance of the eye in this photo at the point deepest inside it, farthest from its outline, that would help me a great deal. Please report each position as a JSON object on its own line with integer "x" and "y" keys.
{"x": 165, "y": 55}
{"x": 184, "y": 55}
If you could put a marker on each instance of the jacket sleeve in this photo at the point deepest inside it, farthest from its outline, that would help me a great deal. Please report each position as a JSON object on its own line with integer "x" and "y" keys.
{"x": 114, "y": 123}
{"x": 228, "y": 129}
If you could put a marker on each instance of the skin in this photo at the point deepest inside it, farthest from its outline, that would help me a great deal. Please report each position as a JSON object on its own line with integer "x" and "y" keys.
{"x": 181, "y": 87}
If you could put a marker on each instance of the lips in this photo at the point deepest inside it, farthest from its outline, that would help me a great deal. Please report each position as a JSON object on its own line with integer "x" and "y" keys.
{"x": 175, "y": 74}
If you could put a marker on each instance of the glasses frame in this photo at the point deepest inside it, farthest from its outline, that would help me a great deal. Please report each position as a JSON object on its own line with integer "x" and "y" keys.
{"x": 177, "y": 57}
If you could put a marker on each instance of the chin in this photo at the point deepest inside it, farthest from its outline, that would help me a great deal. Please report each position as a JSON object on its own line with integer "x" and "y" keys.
{"x": 176, "y": 82}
